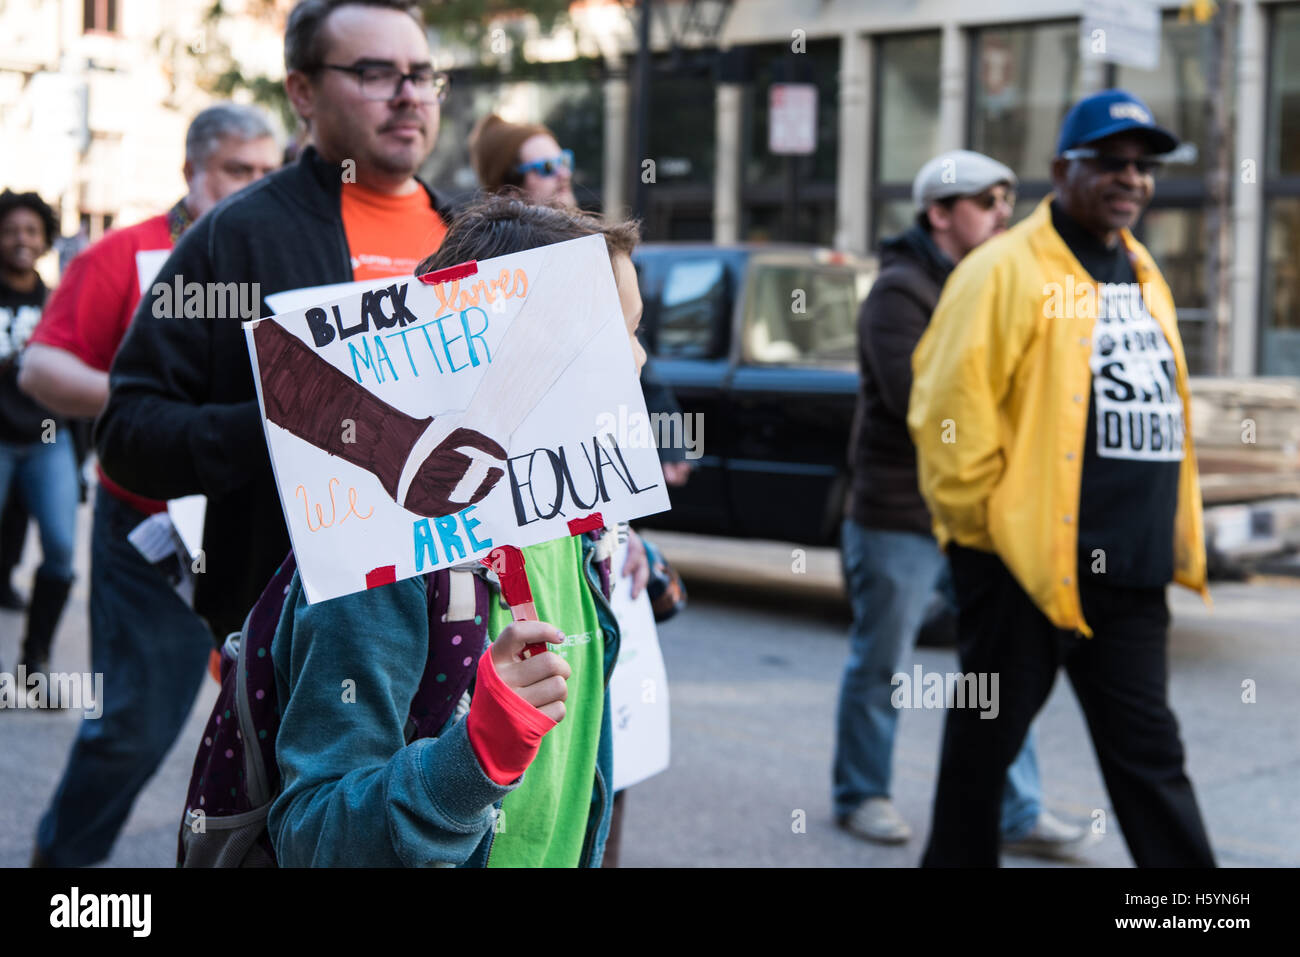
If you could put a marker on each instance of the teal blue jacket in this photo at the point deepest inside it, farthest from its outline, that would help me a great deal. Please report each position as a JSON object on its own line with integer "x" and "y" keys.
{"x": 354, "y": 792}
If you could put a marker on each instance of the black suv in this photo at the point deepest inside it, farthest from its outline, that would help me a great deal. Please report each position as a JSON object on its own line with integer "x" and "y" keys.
{"x": 760, "y": 341}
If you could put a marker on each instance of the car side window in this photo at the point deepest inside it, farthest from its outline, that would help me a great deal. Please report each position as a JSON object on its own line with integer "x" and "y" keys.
{"x": 802, "y": 315}
{"x": 695, "y": 301}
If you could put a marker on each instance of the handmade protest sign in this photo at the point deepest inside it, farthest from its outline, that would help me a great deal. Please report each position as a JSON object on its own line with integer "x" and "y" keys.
{"x": 414, "y": 426}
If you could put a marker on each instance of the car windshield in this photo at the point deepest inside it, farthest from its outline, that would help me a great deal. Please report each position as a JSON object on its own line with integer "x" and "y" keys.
{"x": 803, "y": 314}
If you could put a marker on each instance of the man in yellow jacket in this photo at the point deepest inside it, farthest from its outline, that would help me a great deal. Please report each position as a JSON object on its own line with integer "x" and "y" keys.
{"x": 1050, "y": 412}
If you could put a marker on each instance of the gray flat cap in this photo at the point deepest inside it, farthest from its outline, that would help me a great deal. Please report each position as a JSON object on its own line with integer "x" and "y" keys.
{"x": 957, "y": 173}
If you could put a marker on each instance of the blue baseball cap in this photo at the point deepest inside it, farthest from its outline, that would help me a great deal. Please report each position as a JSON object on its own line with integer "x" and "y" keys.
{"x": 1107, "y": 113}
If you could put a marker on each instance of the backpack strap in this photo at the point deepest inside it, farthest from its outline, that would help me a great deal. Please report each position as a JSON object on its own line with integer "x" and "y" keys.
{"x": 458, "y": 628}
{"x": 255, "y": 777}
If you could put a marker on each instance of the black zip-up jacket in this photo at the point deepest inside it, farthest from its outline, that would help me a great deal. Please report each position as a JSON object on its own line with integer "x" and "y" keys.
{"x": 884, "y": 493}
{"x": 182, "y": 415}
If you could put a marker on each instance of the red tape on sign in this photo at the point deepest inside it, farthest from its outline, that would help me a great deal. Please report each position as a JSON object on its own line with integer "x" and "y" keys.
{"x": 587, "y": 524}
{"x": 451, "y": 273}
{"x": 383, "y": 575}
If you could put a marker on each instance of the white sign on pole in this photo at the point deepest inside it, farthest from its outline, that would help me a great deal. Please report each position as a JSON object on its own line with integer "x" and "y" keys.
{"x": 414, "y": 427}
{"x": 792, "y": 119}
{"x": 1126, "y": 32}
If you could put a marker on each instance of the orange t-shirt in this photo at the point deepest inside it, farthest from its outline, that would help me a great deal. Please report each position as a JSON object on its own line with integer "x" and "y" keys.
{"x": 389, "y": 235}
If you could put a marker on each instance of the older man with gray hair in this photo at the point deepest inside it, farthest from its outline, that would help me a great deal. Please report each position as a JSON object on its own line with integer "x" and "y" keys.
{"x": 147, "y": 642}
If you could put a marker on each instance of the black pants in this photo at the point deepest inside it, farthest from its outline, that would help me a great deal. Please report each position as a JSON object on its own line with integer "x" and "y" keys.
{"x": 1121, "y": 678}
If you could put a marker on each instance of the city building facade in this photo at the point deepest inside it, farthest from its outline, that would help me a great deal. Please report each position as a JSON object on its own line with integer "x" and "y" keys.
{"x": 95, "y": 95}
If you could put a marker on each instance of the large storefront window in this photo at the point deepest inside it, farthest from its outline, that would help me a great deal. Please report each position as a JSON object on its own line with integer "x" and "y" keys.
{"x": 1175, "y": 237}
{"x": 683, "y": 126}
{"x": 1175, "y": 233}
{"x": 907, "y": 105}
{"x": 1024, "y": 79}
{"x": 1176, "y": 90}
{"x": 1284, "y": 105}
{"x": 1279, "y": 345}
{"x": 682, "y": 140}
{"x": 907, "y": 124}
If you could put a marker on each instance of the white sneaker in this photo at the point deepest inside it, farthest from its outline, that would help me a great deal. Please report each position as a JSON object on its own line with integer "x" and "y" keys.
{"x": 876, "y": 819}
{"x": 1050, "y": 838}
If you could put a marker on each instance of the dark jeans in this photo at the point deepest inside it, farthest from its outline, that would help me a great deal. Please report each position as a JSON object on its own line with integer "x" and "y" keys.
{"x": 151, "y": 649}
{"x": 890, "y": 577}
{"x": 1121, "y": 678}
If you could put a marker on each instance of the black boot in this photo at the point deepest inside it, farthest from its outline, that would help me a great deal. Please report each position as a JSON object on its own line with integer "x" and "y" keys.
{"x": 13, "y": 532}
{"x": 9, "y": 598}
{"x": 49, "y": 595}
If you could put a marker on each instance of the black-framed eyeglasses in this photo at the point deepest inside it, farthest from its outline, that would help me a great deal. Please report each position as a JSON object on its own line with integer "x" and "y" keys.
{"x": 385, "y": 82}
{"x": 1108, "y": 163}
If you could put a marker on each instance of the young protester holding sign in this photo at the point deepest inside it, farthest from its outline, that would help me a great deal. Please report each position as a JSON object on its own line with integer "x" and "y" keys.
{"x": 525, "y": 160}
{"x": 355, "y": 791}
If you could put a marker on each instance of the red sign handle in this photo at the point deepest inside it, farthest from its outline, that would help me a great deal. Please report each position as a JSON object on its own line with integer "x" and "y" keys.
{"x": 508, "y": 562}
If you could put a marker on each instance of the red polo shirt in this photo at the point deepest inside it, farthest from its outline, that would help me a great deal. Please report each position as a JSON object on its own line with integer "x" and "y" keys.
{"x": 89, "y": 313}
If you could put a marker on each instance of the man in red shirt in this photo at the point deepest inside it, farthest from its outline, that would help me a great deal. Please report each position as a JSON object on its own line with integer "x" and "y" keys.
{"x": 148, "y": 644}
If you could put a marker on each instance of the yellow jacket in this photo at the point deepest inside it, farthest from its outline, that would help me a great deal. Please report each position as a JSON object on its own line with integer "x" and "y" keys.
{"x": 999, "y": 407}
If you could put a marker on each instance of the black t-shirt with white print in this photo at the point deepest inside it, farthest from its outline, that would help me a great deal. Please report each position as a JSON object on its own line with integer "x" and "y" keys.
{"x": 22, "y": 419}
{"x": 1134, "y": 447}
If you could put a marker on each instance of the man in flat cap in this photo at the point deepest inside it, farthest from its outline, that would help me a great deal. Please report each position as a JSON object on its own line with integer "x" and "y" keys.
{"x": 892, "y": 564}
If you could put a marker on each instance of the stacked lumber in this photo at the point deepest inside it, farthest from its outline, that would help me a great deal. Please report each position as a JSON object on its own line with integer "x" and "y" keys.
{"x": 1247, "y": 434}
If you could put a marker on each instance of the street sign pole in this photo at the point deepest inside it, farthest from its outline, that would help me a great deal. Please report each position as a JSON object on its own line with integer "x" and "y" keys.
{"x": 791, "y": 197}
{"x": 792, "y": 133}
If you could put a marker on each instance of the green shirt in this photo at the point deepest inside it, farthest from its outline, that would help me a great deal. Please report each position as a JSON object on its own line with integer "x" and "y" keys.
{"x": 544, "y": 820}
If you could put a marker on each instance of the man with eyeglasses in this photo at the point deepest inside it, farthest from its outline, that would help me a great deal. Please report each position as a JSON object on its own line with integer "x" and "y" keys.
{"x": 892, "y": 564}
{"x": 182, "y": 414}
{"x": 1049, "y": 411}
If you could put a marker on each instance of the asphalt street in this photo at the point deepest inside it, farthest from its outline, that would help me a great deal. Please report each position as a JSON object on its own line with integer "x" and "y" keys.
{"x": 754, "y": 665}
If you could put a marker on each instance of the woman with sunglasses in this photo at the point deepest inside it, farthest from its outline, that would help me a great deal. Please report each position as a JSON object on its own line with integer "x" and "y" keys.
{"x": 522, "y": 156}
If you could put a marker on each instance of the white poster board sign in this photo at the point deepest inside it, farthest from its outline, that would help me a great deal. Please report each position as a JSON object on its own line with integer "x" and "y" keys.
{"x": 188, "y": 514}
{"x": 638, "y": 689}
{"x": 414, "y": 427}
{"x": 147, "y": 264}
{"x": 292, "y": 299}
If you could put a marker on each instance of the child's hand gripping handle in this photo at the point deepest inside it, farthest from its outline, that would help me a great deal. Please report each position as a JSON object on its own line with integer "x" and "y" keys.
{"x": 508, "y": 562}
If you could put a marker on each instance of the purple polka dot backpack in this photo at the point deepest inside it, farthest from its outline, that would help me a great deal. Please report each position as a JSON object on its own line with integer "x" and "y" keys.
{"x": 235, "y": 776}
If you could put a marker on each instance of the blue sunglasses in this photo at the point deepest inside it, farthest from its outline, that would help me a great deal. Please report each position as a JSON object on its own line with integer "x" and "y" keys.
{"x": 548, "y": 167}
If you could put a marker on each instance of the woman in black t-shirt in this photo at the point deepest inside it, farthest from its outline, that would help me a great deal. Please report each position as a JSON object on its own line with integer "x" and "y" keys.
{"x": 36, "y": 449}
